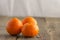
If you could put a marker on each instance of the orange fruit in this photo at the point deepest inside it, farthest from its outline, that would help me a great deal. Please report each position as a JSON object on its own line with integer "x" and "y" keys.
{"x": 30, "y": 30}
{"x": 14, "y": 26}
{"x": 29, "y": 20}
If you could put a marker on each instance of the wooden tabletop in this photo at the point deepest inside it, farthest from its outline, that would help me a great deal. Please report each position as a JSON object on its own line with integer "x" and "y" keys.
{"x": 43, "y": 34}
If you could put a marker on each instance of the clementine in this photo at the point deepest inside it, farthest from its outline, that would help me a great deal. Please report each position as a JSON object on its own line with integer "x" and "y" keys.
{"x": 30, "y": 30}
{"x": 29, "y": 19}
{"x": 14, "y": 26}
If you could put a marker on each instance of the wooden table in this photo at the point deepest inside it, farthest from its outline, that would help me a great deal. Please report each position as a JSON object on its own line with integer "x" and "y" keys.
{"x": 43, "y": 35}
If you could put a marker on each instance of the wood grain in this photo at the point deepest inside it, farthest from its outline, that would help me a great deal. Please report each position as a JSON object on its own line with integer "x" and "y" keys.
{"x": 49, "y": 29}
{"x": 53, "y": 25}
{"x": 4, "y": 35}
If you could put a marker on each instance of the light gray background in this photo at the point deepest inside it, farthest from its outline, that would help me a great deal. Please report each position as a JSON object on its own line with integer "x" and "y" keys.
{"x": 38, "y": 8}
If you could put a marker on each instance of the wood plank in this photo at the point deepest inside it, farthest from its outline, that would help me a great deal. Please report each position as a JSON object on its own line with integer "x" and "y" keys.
{"x": 53, "y": 25}
{"x": 28, "y": 39}
{"x": 20, "y": 37}
{"x": 4, "y": 35}
{"x": 41, "y": 37}
{"x": 43, "y": 33}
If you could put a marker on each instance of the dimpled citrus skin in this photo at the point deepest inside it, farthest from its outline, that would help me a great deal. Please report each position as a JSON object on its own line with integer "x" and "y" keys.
{"x": 30, "y": 30}
{"x": 14, "y": 26}
{"x": 29, "y": 19}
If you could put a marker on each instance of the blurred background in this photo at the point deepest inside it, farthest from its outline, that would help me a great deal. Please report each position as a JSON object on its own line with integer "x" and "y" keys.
{"x": 36, "y": 8}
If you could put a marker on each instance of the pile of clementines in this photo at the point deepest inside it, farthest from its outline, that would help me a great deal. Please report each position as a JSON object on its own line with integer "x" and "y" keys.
{"x": 28, "y": 27}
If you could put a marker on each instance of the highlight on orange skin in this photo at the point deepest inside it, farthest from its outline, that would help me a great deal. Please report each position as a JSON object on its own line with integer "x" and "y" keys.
{"x": 29, "y": 19}
{"x": 30, "y": 30}
{"x": 14, "y": 26}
